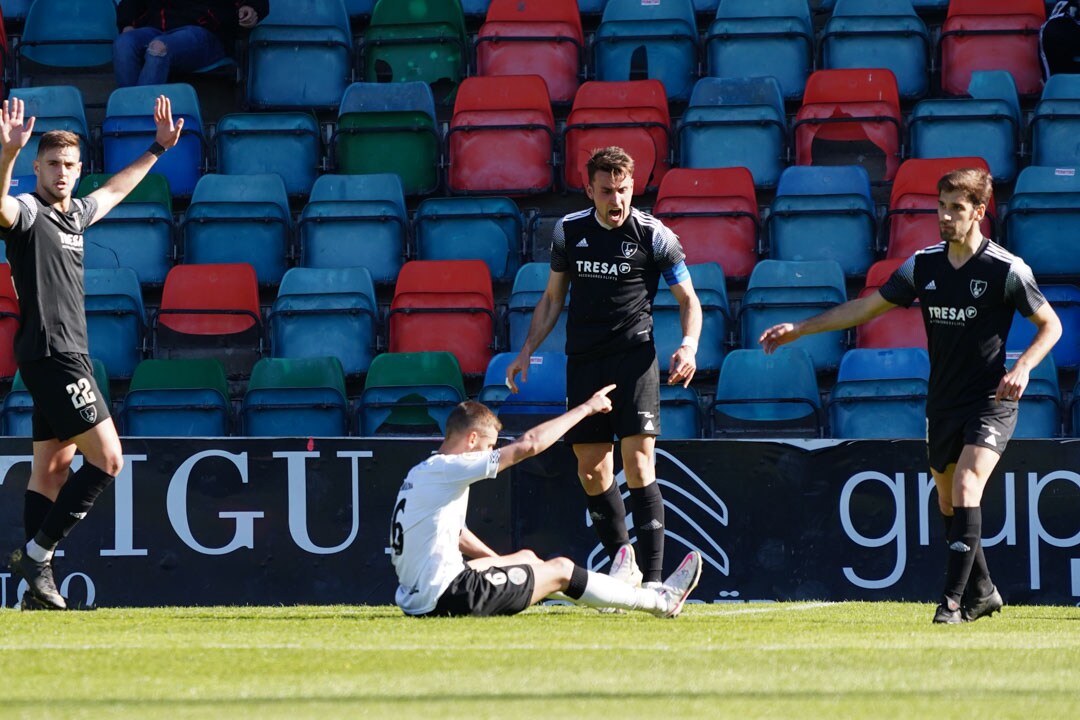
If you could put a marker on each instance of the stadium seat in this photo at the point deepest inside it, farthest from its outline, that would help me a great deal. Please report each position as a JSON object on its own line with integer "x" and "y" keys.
{"x": 880, "y": 393}
{"x": 898, "y": 328}
{"x": 991, "y": 35}
{"x": 138, "y": 233}
{"x": 239, "y": 218}
{"x": 850, "y": 117}
{"x": 541, "y": 398}
{"x": 911, "y": 222}
{"x": 985, "y": 125}
{"x": 409, "y": 393}
{"x": 1040, "y": 405}
{"x": 475, "y": 8}
{"x": 383, "y": 128}
{"x": 1065, "y": 299}
{"x": 879, "y": 33}
{"x": 14, "y": 11}
{"x": 9, "y": 323}
{"x": 763, "y": 395}
{"x": 681, "y": 417}
{"x": 789, "y": 291}
{"x": 488, "y": 229}
{"x": 528, "y": 288}
{"x": 1056, "y": 122}
{"x": 290, "y": 397}
{"x": 177, "y": 398}
{"x": 708, "y": 281}
{"x": 62, "y": 36}
{"x": 525, "y": 37}
{"x": 318, "y": 310}
{"x": 55, "y": 107}
{"x": 115, "y": 319}
{"x": 1043, "y": 214}
{"x": 714, "y": 212}
{"x": 501, "y": 137}
{"x": 753, "y": 38}
{"x": 419, "y": 40}
{"x": 299, "y": 56}
{"x": 359, "y": 9}
{"x": 637, "y": 40}
{"x": 286, "y": 144}
{"x": 632, "y": 115}
{"x": 735, "y": 122}
{"x": 16, "y": 414}
{"x": 591, "y": 7}
{"x": 210, "y": 311}
{"x": 444, "y": 305}
{"x": 823, "y": 213}
{"x": 129, "y": 129}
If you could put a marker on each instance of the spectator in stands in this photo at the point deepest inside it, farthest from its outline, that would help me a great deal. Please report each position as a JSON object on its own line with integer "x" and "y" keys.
{"x": 969, "y": 289}
{"x": 1059, "y": 39}
{"x": 428, "y": 536}
{"x": 159, "y": 36}
{"x": 610, "y": 258}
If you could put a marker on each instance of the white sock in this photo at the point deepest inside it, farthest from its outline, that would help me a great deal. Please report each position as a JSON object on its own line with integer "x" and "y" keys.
{"x": 38, "y": 553}
{"x": 604, "y": 591}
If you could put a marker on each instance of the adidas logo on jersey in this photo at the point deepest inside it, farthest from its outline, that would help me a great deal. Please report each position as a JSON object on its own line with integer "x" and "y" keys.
{"x": 931, "y": 286}
{"x": 583, "y": 243}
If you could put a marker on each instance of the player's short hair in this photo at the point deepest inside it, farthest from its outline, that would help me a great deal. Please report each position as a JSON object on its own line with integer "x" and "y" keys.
{"x": 469, "y": 416}
{"x": 975, "y": 183}
{"x": 613, "y": 160}
{"x": 57, "y": 139}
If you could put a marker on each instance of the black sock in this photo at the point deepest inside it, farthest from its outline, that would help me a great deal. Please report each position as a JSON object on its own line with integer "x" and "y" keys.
{"x": 579, "y": 578}
{"x": 76, "y": 498}
{"x": 648, "y": 507}
{"x": 963, "y": 544}
{"x": 35, "y": 507}
{"x": 979, "y": 583}
{"x": 608, "y": 515}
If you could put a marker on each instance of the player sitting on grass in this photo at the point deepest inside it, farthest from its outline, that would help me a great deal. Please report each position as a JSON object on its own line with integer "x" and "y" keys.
{"x": 428, "y": 537}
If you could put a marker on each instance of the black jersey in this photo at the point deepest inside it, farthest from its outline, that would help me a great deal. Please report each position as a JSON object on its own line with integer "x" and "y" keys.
{"x": 968, "y": 312}
{"x": 45, "y": 250}
{"x": 614, "y": 274}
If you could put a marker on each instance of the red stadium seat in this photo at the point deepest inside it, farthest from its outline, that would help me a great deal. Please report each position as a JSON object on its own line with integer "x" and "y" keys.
{"x": 9, "y": 323}
{"x": 715, "y": 214}
{"x": 445, "y": 305}
{"x": 523, "y": 37}
{"x": 912, "y": 217}
{"x": 502, "y": 136}
{"x": 633, "y": 115}
{"x": 897, "y": 328}
{"x": 992, "y": 35}
{"x": 850, "y": 113}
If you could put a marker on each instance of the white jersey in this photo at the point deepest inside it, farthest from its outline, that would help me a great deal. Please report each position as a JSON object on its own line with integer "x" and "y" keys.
{"x": 425, "y": 530}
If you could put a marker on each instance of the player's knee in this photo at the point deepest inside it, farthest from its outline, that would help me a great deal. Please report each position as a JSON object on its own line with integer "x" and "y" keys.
{"x": 528, "y": 557}
{"x": 563, "y": 567}
{"x": 111, "y": 463}
{"x": 157, "y": 48}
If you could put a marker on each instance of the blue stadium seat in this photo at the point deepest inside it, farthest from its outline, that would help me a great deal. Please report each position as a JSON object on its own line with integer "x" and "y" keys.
{"x": 239, "y": 218}
{"x": 359, "y": 9}
{"x": 489, "y": 229}
{"x": 1056, "y": 122}
{"x": 115, "y": 318}
{"x": 353, "y": 221}
{"x": 129, "y": 129}
{"x": 752, "y": 38}
{"x": 324, "y": 310}
{"x": 14, "y": 11}
{"x": 880, "y": 393}
{"x": 290, "y": 397}
{"x": 789, "y": 291}
{"x": 823, "y": 213}
{"x": 735, "y": 122}
{"x": 986, "y": 125}
{"x": 591, "y": 7}
{"x": 542, "y": 397}
{"x": 528, "y": 287}
{"x": 767, "y": 395}
{"x": 16, "y": 414}
{"x": 138, "y": 233}
{"x": 709, "y": 285}
{"x": 681, "y": 417}
{"x": 1045, "y": 209}
{"x": 177, "y": 398}
{"x": 637, "y": 40}
{"x": 410, "y": 393}
{"x": 286, "y": 144}
{"x": 474, "y": 8}
{"x": 64, "y": 35}
{"x": 1065, "y": 299}
{"x": 55, "y": 107}
{"x": 300, "y": 56}
{"x": 1040, "y": 405}
{"x": 879, "y": 33}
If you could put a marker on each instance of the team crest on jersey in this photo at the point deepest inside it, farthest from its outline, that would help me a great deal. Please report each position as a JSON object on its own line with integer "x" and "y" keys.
{"x": 978, "y": 287}
{"x": 89, "y": 413}
{"x": 629, "y": 248}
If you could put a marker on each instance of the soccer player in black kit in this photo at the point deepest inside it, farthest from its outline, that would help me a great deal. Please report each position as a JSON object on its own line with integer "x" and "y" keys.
{"x": 43, "y": 231}
{"x": 613, "y": 255}
{"x": 968, "y": 288}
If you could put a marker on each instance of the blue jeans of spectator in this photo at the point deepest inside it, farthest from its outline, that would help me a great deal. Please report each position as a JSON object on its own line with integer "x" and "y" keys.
{"x": 187, "y": 49}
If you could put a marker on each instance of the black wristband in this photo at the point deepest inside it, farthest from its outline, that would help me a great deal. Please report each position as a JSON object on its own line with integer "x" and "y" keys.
{"x": 156, "y": 149}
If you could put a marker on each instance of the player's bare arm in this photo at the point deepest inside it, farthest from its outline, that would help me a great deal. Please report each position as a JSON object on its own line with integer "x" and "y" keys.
{"x": 15, "y": 132}
{"x": 684, "y": 359}
{"x": 119, "y": 185}
{"x": 544, "y": 318}
{"x": 1047, "y": 333}
{"x": 546, "y": 434}
{"x": 473, "y": 547}
{"x": 849, "y": 314}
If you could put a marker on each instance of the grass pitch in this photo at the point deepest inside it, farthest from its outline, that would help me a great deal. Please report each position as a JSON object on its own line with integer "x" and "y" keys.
{"x": 784, "y": 660}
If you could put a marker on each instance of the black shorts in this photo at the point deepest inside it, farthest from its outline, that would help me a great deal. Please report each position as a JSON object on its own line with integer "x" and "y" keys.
{"x": 495, "y": 591}
{"x": 987, "y": 423}
{"x": 67, "y": 400}
{"x": 635, "y": 400}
